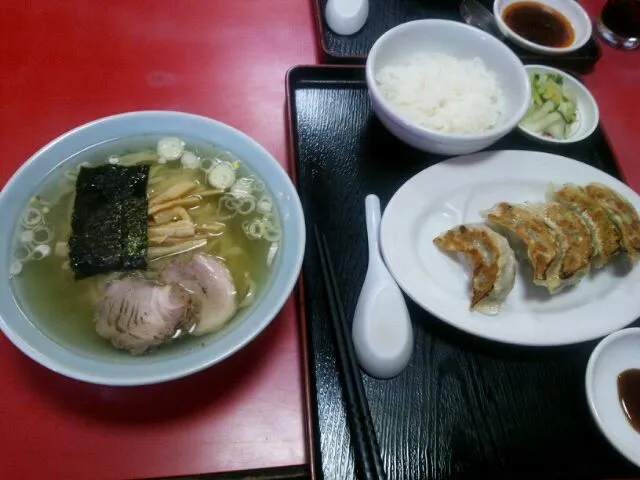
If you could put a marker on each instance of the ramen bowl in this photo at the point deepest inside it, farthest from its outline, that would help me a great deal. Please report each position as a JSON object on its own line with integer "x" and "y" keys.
{"x": 95, "y": 360}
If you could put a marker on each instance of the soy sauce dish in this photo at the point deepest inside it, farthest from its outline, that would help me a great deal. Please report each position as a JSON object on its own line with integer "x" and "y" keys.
{"x": 549, "y": 27}
{"x": 613, "y": 390}
{"x": 561, "y": 110}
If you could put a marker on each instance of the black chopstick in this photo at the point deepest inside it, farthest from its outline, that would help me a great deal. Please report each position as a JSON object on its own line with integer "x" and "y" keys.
{"x": 367, "y": 451}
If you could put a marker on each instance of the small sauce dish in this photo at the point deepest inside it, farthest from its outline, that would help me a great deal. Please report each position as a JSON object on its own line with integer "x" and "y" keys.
{"x": 588, "y": 114}
{"x": 615, "y": 354}
{"x": 548, "y": 27}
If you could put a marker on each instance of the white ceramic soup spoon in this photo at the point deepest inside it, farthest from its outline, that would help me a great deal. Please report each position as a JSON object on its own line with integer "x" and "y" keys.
{"x": 382, "y": 332}
{"x": 346, "y": 17}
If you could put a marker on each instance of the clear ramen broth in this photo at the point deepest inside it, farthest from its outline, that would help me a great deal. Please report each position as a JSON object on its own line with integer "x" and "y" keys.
{"x": 246, "y": 240}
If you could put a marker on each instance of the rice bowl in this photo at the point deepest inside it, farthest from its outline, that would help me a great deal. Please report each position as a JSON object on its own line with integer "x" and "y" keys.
{"x": 443, "y": 93}
{"x": 463, "y": 49}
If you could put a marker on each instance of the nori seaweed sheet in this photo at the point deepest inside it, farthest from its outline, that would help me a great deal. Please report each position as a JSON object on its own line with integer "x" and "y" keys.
{"x": 134, "y": 233}
{"x": 109, "y": 222}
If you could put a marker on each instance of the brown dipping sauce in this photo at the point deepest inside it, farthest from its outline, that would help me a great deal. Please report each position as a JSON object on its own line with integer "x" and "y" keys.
{"x": 539, "y": 24}
{"x": 629, "y": 393}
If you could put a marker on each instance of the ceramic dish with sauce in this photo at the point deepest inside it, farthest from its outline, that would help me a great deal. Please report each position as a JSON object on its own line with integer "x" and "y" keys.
{"x": 613, "y": 390}
{"x": 549, "y": 27}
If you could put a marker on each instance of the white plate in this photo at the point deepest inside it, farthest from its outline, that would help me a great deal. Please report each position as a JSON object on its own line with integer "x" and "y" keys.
{"x": 453, "y": 192}
{"x": 613, "y": 355}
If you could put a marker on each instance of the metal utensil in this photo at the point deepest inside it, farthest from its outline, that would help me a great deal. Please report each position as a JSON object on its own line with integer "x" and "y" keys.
{"x": 477, "y": 15}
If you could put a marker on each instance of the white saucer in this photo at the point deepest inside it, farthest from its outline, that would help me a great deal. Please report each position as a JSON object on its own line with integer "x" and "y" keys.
{"x": 614, "y": 354}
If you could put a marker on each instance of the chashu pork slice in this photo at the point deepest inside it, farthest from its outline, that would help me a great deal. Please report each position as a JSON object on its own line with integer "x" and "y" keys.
{"x": 211, "y": 286}
{"x": 136, "y": 314}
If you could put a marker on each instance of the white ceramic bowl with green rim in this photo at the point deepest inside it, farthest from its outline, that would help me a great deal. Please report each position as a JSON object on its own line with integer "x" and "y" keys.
{"x": 113, "y": 367}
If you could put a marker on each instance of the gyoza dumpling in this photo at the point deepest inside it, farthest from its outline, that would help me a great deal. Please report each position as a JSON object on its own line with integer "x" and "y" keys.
{"x": 604, "y": 234}
{"x": 492, "y": 259}
{"x": 531, "y": 237}
{"x": 622, "y": 214}
{"x": 575, "y": 238}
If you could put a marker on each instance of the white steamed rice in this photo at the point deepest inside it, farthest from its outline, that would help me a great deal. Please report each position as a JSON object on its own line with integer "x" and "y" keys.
{"x": 443, "y": 93}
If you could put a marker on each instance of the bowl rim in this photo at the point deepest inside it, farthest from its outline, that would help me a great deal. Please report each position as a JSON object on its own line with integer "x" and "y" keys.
{"x": 594, "y": 358}
{"x": 72, "y": 363}
{"x": 588, "y": 95}
{"x": 536, "y": 47}
{"x": 436, "y": 135}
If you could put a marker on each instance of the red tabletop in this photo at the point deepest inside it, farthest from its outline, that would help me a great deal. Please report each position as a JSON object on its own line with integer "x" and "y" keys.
{"x": 615, "y": 83}
{"x": 65, "y": 63}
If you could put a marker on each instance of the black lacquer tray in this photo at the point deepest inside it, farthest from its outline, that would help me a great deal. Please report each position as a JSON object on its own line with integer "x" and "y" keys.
{"x": 386, "y": 14}
{"x": 464, "y": 408}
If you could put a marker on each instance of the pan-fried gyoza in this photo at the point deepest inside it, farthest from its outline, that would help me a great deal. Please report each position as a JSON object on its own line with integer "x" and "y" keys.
{"x": 622, "y": 214}
{"x": 577, "y": 247}
{"x": 532, "y": 238}
{"x": 561, "y": 239}
{"x": 493, "y": 263}
{"x": 604, "y": 234}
